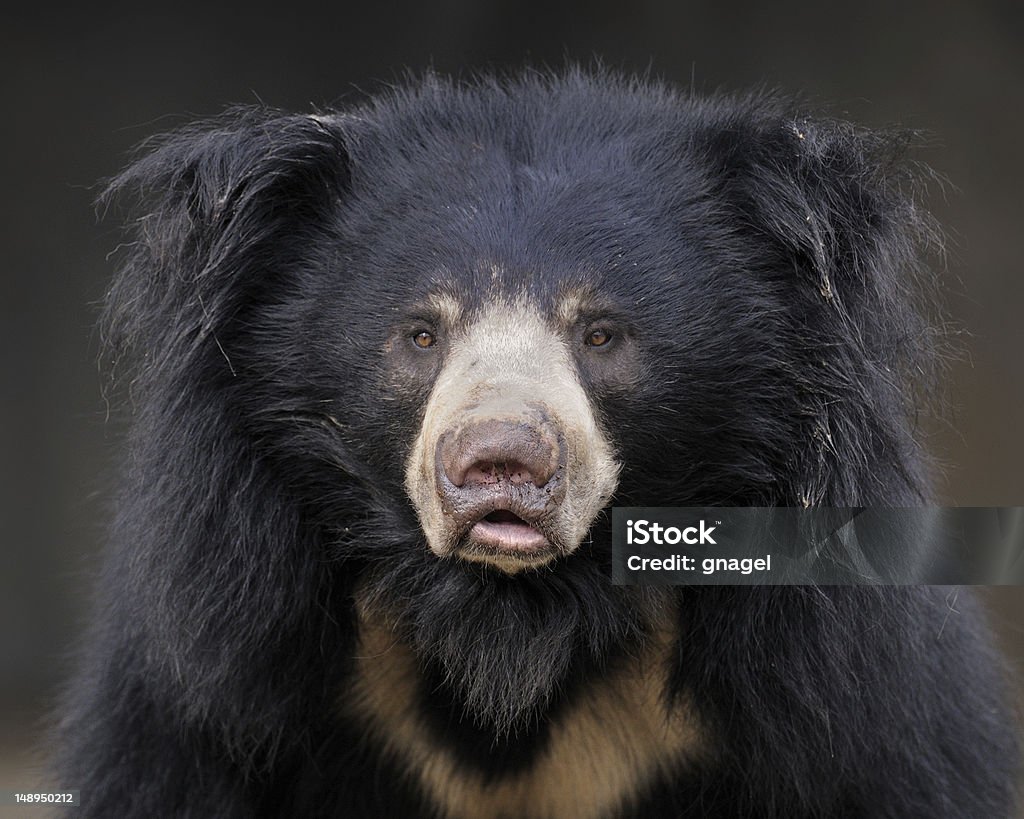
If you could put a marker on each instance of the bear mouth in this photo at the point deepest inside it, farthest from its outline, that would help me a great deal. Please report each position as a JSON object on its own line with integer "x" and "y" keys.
{"x": 505, "y": 531}
{"x": 510, "y": 539}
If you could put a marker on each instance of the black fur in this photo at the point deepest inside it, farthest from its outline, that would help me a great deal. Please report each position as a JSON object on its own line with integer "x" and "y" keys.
{"x": 767, "y": 263}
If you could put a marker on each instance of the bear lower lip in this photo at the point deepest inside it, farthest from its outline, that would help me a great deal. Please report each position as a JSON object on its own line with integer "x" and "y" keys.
{"x": 508, "y": 536}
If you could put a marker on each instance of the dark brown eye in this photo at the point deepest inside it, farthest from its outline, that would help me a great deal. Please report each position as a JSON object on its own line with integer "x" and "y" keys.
{"x": 424, "y": 339}
{"x": 598, "y": 338}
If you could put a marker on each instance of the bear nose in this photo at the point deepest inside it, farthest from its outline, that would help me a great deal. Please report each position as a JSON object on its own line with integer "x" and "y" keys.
{"x": 491, "y": 451}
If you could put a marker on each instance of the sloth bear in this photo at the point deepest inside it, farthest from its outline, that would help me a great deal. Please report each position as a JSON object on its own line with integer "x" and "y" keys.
{"x": 388, "y": 369}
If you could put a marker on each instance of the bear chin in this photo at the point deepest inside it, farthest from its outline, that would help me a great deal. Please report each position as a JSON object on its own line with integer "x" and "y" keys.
{"x": 500, "y": 649}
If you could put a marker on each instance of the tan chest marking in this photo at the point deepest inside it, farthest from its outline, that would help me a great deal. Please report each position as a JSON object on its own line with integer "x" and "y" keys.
{"x": 603, "y": 749}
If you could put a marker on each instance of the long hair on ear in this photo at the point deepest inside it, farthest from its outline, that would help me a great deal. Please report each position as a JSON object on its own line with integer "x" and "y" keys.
{"x": 224, "y": 604}
{"x": 837, "y": 209}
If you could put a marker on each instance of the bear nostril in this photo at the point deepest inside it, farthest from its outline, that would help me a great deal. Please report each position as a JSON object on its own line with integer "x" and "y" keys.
{"x": 490, "y": 472}
{"x": 490, "y": 452}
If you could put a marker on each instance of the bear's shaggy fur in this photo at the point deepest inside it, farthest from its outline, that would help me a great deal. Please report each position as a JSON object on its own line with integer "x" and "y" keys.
{"x": 277, "y": 636}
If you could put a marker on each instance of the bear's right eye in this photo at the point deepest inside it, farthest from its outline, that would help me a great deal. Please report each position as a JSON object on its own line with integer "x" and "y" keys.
{"x": 424, "y": 339}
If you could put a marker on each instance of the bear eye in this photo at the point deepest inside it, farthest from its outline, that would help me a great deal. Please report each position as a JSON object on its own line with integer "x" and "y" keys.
{"x": 424, "y": 339}
{"x": 598, "y": 338}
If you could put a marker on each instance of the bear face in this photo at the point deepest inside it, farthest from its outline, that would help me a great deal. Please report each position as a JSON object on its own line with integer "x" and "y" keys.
{"x": 389, "y": 367}
{"x": 557, "y": 232}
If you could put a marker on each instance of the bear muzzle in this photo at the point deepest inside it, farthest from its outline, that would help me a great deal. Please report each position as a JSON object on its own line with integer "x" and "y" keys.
{"x": 500, "y": 481}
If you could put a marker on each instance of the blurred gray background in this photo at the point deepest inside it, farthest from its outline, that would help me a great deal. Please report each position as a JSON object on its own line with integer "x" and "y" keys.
{"x": 83, "y": 85}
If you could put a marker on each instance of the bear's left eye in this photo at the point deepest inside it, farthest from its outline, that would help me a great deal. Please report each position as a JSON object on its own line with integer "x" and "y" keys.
{"x": 424, "y": 339}
{"x": 598, "y": 337}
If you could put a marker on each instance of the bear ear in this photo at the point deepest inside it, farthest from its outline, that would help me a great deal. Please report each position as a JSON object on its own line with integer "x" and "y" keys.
{"x": 844, "y": 207}
{"x": 842, "y": 202}
{"x": 834, "y": 215}
{"x": 834, "y": 206}
{"x": 209, "y": 209}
